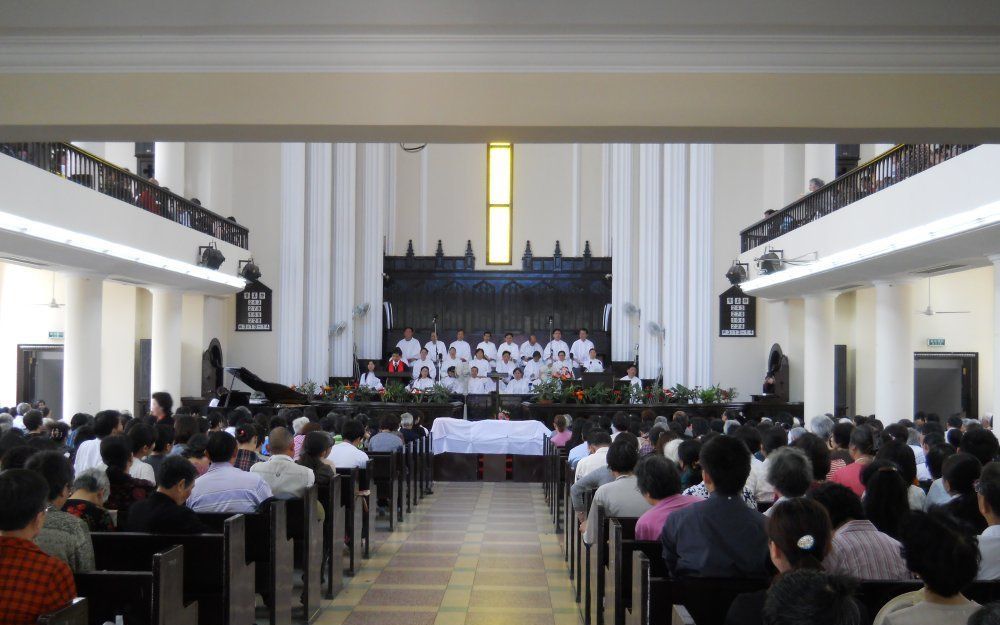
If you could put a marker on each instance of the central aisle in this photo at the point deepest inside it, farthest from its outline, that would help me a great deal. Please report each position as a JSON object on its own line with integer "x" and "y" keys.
{"x": 472, "y": 553}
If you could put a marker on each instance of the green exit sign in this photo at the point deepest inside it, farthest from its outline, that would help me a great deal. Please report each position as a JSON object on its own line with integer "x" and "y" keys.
{"x": 56, "y": 335}
{"x": 935, "y": 342}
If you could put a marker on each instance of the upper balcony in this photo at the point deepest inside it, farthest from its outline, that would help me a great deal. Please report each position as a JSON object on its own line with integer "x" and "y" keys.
{"x": 70, "y": 162}
{"x": 883, "y": 171}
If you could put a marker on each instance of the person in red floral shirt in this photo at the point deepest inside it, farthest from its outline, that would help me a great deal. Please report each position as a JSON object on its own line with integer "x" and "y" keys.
{"x": 32, "y": 583}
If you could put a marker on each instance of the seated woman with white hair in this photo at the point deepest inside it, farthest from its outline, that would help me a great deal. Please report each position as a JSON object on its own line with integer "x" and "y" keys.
{"x": 90, "y": 490}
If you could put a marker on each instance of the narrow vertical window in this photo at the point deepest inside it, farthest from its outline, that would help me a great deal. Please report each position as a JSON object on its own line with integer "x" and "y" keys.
{"x": 499, "y": 203}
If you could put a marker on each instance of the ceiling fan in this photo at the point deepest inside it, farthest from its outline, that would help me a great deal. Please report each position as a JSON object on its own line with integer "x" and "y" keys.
{"x": 930, "y": 312}
{"x": 52, "y": 303}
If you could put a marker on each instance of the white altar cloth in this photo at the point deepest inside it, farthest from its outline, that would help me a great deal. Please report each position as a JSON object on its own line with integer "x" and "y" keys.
{"x": 488, "y": 437}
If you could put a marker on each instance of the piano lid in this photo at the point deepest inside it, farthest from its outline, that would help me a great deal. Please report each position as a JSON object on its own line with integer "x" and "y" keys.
{"x": 275, "y": 393}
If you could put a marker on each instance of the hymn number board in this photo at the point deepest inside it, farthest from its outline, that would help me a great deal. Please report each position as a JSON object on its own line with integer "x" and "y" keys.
{"x": 737, "y": 313}
{"x": 253, "y": 308}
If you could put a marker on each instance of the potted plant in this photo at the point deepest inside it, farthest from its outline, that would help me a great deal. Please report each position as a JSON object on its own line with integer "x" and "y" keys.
{"x": 547, "y": 391}
{"x": 396, "y": 393}
{"x": 598, "y": 394}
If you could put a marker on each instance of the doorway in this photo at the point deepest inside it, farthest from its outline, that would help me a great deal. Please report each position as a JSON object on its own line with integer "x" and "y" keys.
{"x": 40, "y": 375}
{"x": 946, "y": 383}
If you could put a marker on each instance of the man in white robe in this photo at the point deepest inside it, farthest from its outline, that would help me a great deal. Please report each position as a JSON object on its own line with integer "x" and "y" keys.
{"x": 462, "y": 349}
{"x": 480, "y": 362}
{"x": 580, "y": 351}
{"x": 436, "y": 350}
{"x": 529, "y": 347}
{"x": 506, "y": 366}
{"x": 510, "y": 347}
{"x": 489, "y": 348}
{"x": 424, "y": 361}
{"x": 451, "y": 382}
{"x": 632, "y": 377}
{"x": 409, "y": 347}
{"x": 533, "y": 368}
{"x": 593, "y": 364}
{"x": 517, "y": 386}
{"x": 556, "y": 345}
{"x": 479, "y": 385}
{"x": 562, "y": 366}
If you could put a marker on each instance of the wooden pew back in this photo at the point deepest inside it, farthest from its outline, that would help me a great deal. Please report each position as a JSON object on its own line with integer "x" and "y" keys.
{"x": 333, "y": 536}
{"x": 306, "y": 530}
{"x": 349, "y": 487}
{"x": 386, "y": 476}
{"x": 73, "y": 614}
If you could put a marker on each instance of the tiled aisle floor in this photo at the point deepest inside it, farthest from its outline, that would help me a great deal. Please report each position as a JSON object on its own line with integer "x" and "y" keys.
{"x": 473, "y": 553}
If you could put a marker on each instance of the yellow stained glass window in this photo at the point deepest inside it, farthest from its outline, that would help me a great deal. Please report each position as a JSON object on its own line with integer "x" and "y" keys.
{"x": 499, "y": 203}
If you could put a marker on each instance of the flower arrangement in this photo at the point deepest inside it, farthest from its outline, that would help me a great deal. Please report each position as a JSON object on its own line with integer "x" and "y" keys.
{"x": 397, "y": 393}
{"x": 548, "y": 390}
{"x": 436, "y": 394}
{"x": 308, "y": 388}
{"x": 598, "y": 394}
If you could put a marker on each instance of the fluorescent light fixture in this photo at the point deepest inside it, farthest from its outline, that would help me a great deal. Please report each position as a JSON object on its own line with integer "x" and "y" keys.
{"x": 983, "y": 217}
{"x": 97, "y": 245}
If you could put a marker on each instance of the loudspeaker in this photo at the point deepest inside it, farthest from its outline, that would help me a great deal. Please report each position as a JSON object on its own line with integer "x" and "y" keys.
{"x": 840, "y": 380}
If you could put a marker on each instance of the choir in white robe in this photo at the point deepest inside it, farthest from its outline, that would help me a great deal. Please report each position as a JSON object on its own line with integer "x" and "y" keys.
{"x": 551, "y": 352}
{"x": 419, "y": 364}
{"x": 421, "y": 384}
{"x": 510, "y": 348}
{"x": 636, "y": 381}
{"x": 462, "y": 350}
{"x": 452, "y": 362}
{"x": 507, "y": 368}
{"x": 453, "y": 384}
{"x": 481, "y": 386}
{"x": 580, "y": 352}
{"x": 410, "y": 349}
{"x": 593, "y": 366}
{"x": 490, "y": 349}
{"x": 533, "y": 370}
{"x": 562, "y": 367}
{"x": 517, "y": 387}
{"x": 528, "y": 348}
{"x": 436, "y": 350}
{"x": 484, "y": 366}
{"x": 370, "y": 380}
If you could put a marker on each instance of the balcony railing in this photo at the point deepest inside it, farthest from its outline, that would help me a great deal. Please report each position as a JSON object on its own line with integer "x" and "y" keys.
{"x": 883, "y": 171}
{"x": 68, "y": 161}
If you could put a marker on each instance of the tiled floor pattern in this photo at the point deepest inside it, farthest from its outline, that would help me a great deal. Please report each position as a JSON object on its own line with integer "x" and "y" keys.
{"x": 471, "y": 554}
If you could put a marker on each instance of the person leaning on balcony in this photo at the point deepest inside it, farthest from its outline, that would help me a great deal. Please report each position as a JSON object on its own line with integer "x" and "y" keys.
{"x": 147, "y": 200}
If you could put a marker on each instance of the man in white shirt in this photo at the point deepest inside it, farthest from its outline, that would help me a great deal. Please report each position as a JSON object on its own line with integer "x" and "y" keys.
{"x": 480, "y": 362}
{"x": 593, "y": 364}
{"x": 88, "y": 455}
{"x": 510, "y": 347}
{"x": 517, "y": 386}
{"x": 436, "y": 350}
{"x": 632, "y": 377}
{"x": 462, "y": 349}
{"x": 480, "y": 385}
{"x": 424, "y": 361}
{"x": 598, "y": 442}
{"x": 533, "y": 368}
{"x": 529, "y": 347}
{"x": 561, "y": 365}
{"x": 506, "y": 366}
{"x": 488, "y": 347}
{"x": 580, "y": 352}
{"x": 988, "y": 493}
{"x": 346, "y": 454}
{"x": 451, "y": 382}
{"x": 409, "y": 346}
{"x": 556, "y": 345}
{"x": 281, "y": 473}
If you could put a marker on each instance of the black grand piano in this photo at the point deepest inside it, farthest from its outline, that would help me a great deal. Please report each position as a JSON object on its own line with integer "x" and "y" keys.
{"x": 274, "y": 393}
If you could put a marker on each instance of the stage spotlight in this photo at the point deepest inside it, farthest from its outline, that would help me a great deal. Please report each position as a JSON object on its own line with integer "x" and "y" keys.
{"x": 249, "y": 270}
{"x": 770, "y": 262}
{"x": 210, "y": 256}
{"x": 737, "y": 273}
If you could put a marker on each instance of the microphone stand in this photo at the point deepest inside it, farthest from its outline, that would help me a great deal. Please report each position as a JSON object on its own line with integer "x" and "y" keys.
{"x": 437, "y": 351}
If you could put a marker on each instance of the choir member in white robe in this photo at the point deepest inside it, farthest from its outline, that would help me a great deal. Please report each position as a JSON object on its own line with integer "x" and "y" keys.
{"x": 451, "y": 382}
{"x": 479, "y": 385}
{"x": 517, "y": 386}
{"x": 369, "y": 379}
{"x": 510, "y": 347}
{"x": 462, "y": 348}
{"x": 481, "y": 363}
{"x": 581, "y": 349}
{"x": 562, "y": 366}
{"x": 409, "y": 347}
{"x": 424, "y": 382}
{"x": 436, "y": 349}
{"x": 424, "y": 361}
{"x": 506, "y": 366}
{"x": 556, "y": 345}
{"x": 533, "y": 368}
{"x": 632, "y": 377}
{"x": 489, "y": 348}
{"x": 592, "y": 364}
{"x": 452, "y": 360}
{"x": 530, "y": 347}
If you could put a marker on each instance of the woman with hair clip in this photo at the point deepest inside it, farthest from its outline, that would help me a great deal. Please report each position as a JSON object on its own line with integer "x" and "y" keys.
{"x": 799, "y": 536}
{"x": 246, "y": 453}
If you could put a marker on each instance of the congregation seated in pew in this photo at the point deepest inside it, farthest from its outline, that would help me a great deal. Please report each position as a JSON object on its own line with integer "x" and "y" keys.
{"x": 223, "y": 487}
{"x": 281, "y": 473}
{"x": 164, "y": 511}
{"x": 91, "y": 490}
{"x": 620, "y": 496}
{"x": 62, "y": 535}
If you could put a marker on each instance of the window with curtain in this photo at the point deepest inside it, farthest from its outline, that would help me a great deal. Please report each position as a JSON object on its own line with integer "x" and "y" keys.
{"x": 499, "y": 203}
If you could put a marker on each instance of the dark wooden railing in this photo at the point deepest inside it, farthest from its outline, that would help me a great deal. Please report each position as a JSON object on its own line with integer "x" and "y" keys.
{"x": 69, "y": 161}
{"x": 883, "y": 171}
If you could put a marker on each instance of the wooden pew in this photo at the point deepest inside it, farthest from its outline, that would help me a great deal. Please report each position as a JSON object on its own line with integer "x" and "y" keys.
{"x": 707, "y": 599}
{"x": 584, "y": 564}
{"x": 386, "y": 476}
{"x": 306, "y": 530}
{"x": 216, "y": 573}
{"x": 154, "y": 597}
{"x": 333, "y": 537}
{"x": 418, "y": 460}
{"x": 409, "y": 468}
{"x": 270, "y": 548}
{"x": 618, "y": 585}
{"x": 351, "y": 504}
{"x": 73, "y": 614}
{"x": 602, "y": 594}
{"x": 651, "y": 591}
{"x": 569, "y": 518}
{"x": 429, "y": 464}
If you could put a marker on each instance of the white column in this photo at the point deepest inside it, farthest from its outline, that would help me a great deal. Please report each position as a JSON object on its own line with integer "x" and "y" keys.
{"x": 674, "y": 257}
{"x": 995, "y": 408}
{"x": 606, "y": 200}
{"x": 165, "y": 369}
{"x": 820, "y": 162}
{"x": 290, "y": 289}
{"x": 168, "y": 166}
{"x": 388, "y": 179}
{"x": 94, "y": 147}
{"x": 319, "y": 237}
{"x": 81, "y": 355}
{"x": 699, "y": 294}
{"x": 621, "y": 214}
{"x": 650, "y": 263}
{"x": 375, "y": 181}
{"x": 893, "y": 352}
{"x": 818, "y": 356}
{"x": 343, "y": 253}
{"x": 425, "y": 158}
{"x": 121, "y": 153}
{"x": 575, "y": 246}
